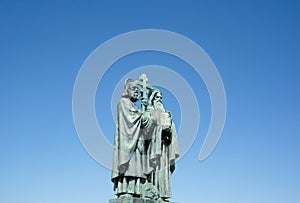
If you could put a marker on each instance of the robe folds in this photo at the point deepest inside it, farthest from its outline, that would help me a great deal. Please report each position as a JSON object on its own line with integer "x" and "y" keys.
{"x": 128, "y": 165}
{"x": 162, "y": 154}
{"x": 141, "y": 152}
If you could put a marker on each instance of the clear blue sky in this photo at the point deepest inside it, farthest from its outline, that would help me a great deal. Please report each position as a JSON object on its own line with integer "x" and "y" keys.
{"x": 254, "y": 45}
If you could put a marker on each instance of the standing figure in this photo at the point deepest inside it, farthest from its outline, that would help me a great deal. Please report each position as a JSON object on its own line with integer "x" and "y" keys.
{"x": 163, "y": 146}
{"x": 128, "y": 173}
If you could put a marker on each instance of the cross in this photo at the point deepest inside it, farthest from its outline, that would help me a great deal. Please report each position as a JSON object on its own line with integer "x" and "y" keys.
{"x": 144, "y": 87}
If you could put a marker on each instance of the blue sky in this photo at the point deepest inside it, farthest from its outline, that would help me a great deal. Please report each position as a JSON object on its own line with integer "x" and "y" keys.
{"x": 254, "y": 45}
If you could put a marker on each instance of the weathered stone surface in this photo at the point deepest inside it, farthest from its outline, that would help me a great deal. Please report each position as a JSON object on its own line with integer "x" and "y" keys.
{"x": 135, "y": 200}
{"x": 145, "y": 145}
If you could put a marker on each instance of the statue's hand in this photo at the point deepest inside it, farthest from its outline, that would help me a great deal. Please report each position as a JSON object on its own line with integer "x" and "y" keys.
{"x": 145, "y": 116}
{"x": 144, "y": 102}
{"x": 167, "y": 127}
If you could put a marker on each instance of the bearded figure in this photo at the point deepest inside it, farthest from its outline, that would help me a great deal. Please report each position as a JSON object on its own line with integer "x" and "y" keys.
{"x": 162, "y": 148}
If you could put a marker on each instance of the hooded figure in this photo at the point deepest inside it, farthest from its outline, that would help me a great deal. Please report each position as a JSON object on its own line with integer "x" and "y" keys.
{"x": 163, "y": 146}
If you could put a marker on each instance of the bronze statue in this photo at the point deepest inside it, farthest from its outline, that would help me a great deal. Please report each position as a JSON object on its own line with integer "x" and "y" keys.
{"x": 145, "y": 145}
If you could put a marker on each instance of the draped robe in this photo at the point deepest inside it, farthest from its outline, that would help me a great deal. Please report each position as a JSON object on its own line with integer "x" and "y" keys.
{"x": 162, "y": 155}
{"x": 128, "y": 171}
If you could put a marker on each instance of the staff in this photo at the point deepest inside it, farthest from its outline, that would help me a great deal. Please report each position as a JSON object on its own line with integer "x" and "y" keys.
{"x": 142, "y": 82}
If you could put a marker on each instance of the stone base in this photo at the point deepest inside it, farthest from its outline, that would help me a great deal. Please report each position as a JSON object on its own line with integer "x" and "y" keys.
{"x": 135, "y": 200}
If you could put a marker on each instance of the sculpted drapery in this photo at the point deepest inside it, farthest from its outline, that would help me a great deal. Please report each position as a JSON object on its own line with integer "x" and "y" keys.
{"x": 163, "y": 148}
{"x": 128, "y": 166}
{"x": 144, "y": 150}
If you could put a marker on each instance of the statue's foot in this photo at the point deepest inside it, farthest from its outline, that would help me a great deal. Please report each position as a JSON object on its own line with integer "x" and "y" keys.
{"x": 125, "y": 196}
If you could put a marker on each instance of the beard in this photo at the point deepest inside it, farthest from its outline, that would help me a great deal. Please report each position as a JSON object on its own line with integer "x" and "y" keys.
{"x": 159, "y": 106}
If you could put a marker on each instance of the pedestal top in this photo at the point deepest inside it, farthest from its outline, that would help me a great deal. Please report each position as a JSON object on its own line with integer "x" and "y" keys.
{"x": 136, "y": 200}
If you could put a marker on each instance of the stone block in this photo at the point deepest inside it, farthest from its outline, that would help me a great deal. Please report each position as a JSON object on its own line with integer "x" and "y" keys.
{"x": 135, "y": 200}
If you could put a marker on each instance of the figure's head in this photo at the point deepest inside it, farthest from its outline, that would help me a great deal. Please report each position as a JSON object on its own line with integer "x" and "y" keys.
{"x": 131, "y": 90}
{"x": 155, "y": 98}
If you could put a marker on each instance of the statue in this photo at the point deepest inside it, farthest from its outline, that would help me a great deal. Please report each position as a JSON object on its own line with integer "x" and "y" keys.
{"x": 163, "y": 147}
{"x": 145, "y": 146}
{"x": 128, "y": 171}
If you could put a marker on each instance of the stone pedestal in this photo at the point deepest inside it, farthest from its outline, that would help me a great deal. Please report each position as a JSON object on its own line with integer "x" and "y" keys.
{"x": 135, "y": 200}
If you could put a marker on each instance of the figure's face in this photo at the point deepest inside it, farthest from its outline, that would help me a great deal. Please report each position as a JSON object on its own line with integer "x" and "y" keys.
{"x": 133, "y": 92}
{"x": 157, "y": 99}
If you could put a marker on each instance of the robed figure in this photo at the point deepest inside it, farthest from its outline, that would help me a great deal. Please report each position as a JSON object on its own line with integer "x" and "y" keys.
{"x": 145, "y": 145}
{"x": 128, "y": 173}
{"x": 163, "y": 146}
